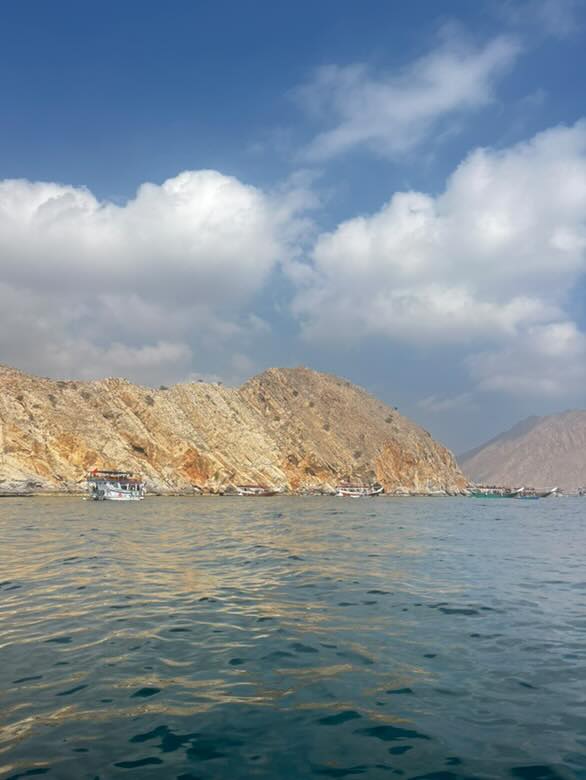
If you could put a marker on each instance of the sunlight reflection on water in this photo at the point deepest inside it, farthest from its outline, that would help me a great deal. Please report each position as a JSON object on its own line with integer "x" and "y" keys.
{"x": 210, "y": 637}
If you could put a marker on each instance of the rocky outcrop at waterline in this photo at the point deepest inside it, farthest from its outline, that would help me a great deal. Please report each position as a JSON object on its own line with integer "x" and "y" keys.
{"x": 292, "y": 429}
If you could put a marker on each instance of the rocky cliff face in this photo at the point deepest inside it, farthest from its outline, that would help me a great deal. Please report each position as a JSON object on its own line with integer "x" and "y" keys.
{"x": 539, "y": 451}
{"x": 294, "y": 429}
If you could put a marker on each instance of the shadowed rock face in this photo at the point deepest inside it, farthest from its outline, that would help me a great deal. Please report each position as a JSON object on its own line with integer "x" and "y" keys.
{"x": 295, "y": 429}
{"x": 539, "y": 451}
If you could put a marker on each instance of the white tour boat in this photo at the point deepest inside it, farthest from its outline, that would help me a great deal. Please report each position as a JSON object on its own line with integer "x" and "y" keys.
{"x": 357, "y": 490}
{"x": 114, "y": 486}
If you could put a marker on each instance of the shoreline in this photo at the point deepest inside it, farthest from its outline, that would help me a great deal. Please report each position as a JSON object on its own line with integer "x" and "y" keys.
{"x": 57, "y": 494}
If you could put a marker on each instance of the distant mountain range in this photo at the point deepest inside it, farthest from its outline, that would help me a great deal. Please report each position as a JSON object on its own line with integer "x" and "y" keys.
{"x": 539, "y": 451}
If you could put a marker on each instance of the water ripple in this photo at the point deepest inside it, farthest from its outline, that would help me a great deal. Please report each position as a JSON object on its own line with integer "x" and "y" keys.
{"x": 291, "y": 638}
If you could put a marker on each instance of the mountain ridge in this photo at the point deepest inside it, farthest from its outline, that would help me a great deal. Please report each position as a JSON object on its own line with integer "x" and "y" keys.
{"x": 295, "y": 429}
{"x": 545, "y": 451}
{"x": 523, "y": 426}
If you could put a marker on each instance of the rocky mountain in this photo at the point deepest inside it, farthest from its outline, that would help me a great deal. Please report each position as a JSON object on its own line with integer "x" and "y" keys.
{"x": 295, "y": 429}
{"x": 539, "y": 451}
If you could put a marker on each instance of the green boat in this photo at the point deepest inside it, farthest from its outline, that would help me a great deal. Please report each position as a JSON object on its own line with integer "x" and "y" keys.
{"x": 495, "y": 492}
{"x": 480, "y": 491}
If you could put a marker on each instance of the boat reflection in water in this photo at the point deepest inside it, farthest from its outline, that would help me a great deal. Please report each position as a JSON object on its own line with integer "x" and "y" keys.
{"x": 106, "y": 485}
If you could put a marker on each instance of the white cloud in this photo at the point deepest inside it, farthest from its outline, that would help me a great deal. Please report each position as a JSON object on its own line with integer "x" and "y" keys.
{"x": 90, "y": 287}
{"x": 200, "y": 236}
{"x": 57, "y": 336}
{"x": 394, "y": 113}
{"x": 437, "y": 405}
{"x": 545, "y": 361}
{"x": 486, "y": 261}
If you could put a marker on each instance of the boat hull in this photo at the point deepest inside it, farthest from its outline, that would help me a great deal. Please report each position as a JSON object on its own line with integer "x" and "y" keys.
{"x": 523, "y": 494}
{"x": 257, "y": 491}
{"x": 259, "y": 495}
{"x": 493, "y": 495}
{"x": 358, "y": 492}
{"x": 114, "y": 486}
{"x": 116, "y": 495}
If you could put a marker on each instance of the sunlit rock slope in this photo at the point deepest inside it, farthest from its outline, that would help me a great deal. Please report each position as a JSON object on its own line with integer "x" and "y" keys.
{"x": 295, "y": 429}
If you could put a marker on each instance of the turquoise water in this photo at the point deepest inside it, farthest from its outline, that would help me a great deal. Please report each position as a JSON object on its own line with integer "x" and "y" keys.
{"x": 293, "y": 638}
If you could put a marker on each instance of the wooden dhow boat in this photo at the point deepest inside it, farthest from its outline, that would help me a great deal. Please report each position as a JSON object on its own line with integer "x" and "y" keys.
{"x": 494, "y": 491}
{"x": 255, "y": 490}
{"x": 105, "y": 485}
{"x": 358, "y": 490}
{"x": 534, "y": 493}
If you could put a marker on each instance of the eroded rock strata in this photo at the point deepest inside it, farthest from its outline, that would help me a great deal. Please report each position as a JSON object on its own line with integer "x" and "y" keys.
{"x": 294, "y": 429}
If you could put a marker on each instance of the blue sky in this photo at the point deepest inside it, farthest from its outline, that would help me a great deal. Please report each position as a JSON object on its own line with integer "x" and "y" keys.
{"x": 389, "y": 191}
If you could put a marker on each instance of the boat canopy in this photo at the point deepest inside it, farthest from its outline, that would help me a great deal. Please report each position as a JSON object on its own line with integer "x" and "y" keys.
{"x": 113, "y": 475}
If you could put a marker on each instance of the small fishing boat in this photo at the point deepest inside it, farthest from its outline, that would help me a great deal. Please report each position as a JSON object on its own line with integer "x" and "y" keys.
{"x": 107, "y": 485}
{"x": 255, "y": 490}
{"x": 535, "y": 493}
{"x": 494, "y": 491}
{"x": 358, "y": 490}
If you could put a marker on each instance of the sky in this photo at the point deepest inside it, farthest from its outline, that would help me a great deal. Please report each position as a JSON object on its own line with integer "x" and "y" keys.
{"x": 392, "y": 192}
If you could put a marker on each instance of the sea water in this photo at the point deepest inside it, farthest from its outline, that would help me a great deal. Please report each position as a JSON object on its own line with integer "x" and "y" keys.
{"x": 293, "y": 638}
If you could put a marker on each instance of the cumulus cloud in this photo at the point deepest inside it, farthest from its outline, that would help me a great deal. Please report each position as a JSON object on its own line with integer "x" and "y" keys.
{"x": 487, "y": 261}
{"x": 57, "y": 336}
{"x": 90, "y": 287}
{"x": 185, "y": 238}
{"x": 545, "y": 360}
{"x": 393, "y": 113}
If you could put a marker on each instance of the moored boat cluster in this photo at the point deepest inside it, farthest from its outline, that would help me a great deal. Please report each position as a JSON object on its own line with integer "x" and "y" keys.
{"x": 499, "y": 491}
{"x": 117, "y": 485}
